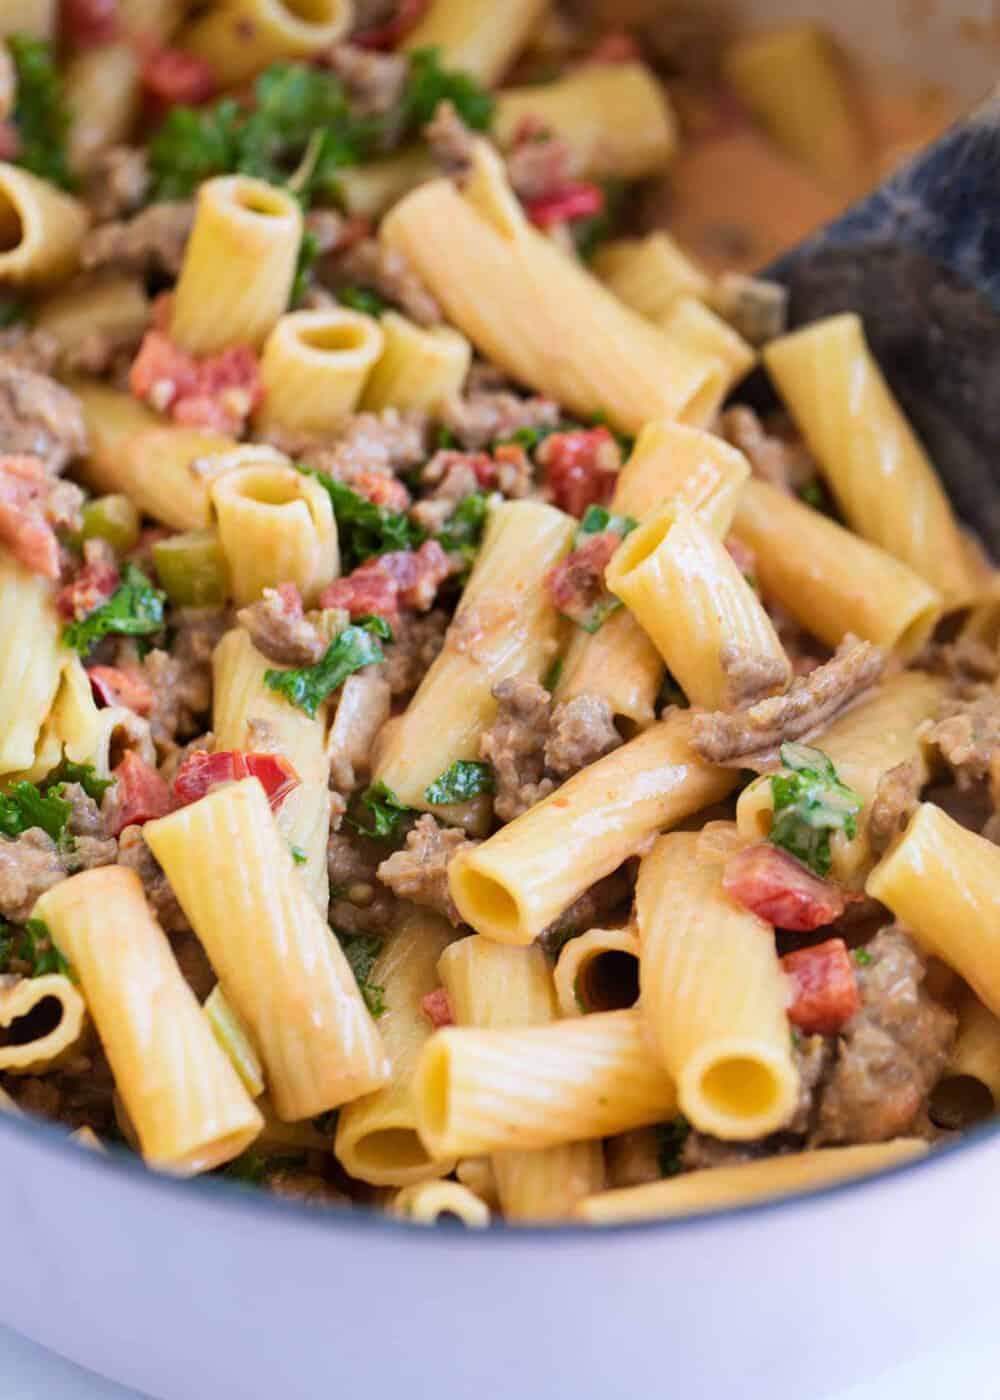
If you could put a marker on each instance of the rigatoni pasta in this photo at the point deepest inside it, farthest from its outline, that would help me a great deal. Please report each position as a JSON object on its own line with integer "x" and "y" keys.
{"x": 314, "y": 367}
{"x": 41, "y": 229}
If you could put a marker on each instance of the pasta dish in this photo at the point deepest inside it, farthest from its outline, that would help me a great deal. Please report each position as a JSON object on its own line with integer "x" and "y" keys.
{"x": 463, "y": 749}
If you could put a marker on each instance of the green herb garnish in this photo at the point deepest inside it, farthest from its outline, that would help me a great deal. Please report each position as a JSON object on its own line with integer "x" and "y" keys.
{"x": 671, "y": 1137}
{"x": 356, "y": 647}
{"x": 364, "y": 528}
{"x": 24, "y": 806}
{"x": 11, "y": 311}
{"x": 362, "y": 299}
{"x": 361, "y": 951}
{"x": 463, "y": 781}
{"x": 83, "y": 773}
{"x": 298, "y": 855}
{"x": 308, "y": 253}
{"x": 41, "y": 116}
{"x": 597, "y": 519}
{"x": 810, "y": 802}
{"x": 33, "y": 944}
{"x": 553, "y": 675}
{"x": 862, "y": 957}
{"x": 429, "y": 84}
{"x": 385, "y": 810}
{"x": 251, "y": 1169}
{"x": 463, "y": 533}
{"x": 135, "y": 609}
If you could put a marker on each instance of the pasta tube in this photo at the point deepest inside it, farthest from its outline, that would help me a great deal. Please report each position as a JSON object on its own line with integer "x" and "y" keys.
{"x": 477, "y": 36}
{"x": 719, "y": 1188}
{"x": 513, "y": 885}
{"x": 880, "y": 474}
{"x": 494, "y": 987}
{"x": 367, "y": 191}
{"x": 18, "y": 998}
{"x": 314, "y": 367}
{"x": 115, "y": 306}
{"x": 419, "y": 368}
{"x": 598, "y": 971}
{"x": 940, "y": 880}
{"x": 377, "y": 1137}
{"x": 505, "y": 625}
{"x": 692, "y": 325}
{"x": 432, "y": 1201}
{"x": 831, "y": 580}
{"x": 232, "y": 1036}
{"x": 182, "y": 1095}
{"x": 238, "y": 267}
{"x": 240, "y": 37}
{"x": 538, "y": 1086}
{"x": 713, "y": 992}
{"x": 650, "y": 274}
{"x": 619, "y": 662}
{"x": 248, "y": 715}
{"x": 166, "y": 470}
{"x": 615, "y": 117}
{"x": 41, "y": 229}
{"x": 32, "y": 658}
{"x": 275, "y": 526}
{"x": 103, "y": 92}
{"x": 536, "y": 313}
{"x": 279, "y": 965}
{"x": 975, "y": 1054}
{"x": 682, "y": 585}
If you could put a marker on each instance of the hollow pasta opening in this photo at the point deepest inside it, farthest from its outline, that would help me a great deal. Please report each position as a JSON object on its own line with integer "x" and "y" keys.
{"x": 637, "y": 547}
{"x": 702, "y": 405}
{"x": 43, "y": 1018}
{"x": 11, "y": 224}
{"x": 436, "y": 1089}
{"x": 960, "y": 1100}
{"x": 739, "y": 1087}
{"x": 309, "y": 11}
{"x": 336, "y": 336}
{"x": 268, "y": 488}
{"x": 485, "y": 903}
{"x": 918, "y": 632}
{"x": 257, "y": 199}
{"x": 390, "y": 1150}
{"x": 609, "y": 981}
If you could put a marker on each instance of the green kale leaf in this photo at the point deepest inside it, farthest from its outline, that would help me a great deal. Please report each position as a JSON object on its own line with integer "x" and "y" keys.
{"x": 463, "y": 532}
{"x": 671, "y": 1137}
{"x": 361, "y": 951}
{"x": 428, "y": 84}
{"x": 24, "y": 806}
{"x": 810, "y": 803}
{"x": 356, "y": 647}
{"x": 386, "y": 812}
{"x": 135, "y": 609}
{"x": 597, "y": 519}
{"x": 362, "y": 299}
{"x": 32, "y": 946}
{"x": 364, "y": 528}
{"x": 40, "y": 113}
{"x": 463, "y": 781}
{"x": 308, "y": 253}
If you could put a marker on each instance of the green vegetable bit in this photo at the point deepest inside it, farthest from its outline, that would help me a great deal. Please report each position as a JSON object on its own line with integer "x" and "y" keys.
{"x": 32, "y": 945}
{"x": 298, "y": 855}
{"x": 463, "y": 533}
{"x": 361, "y": 953}
{"x": 671, "y": 1137}
{"x": 598, "y": 519}
{"x": 862, "y": 957}
{"x": 135, "y": 609}
{"x": 463, "y": 781}
{"x": 553, "y": 675}
{"x": 810, "y": 803}
{"x": 308, "y": 253}
{"x": 386, "y": 812}
{"x": 428, "y": 84}
{"x": 364, "y": 528}
{"x": 355, "y": 648}
{"x": 24, "y": 806}
{"x": 83, "y": 773}
{"x": 114, "y": 519}
{"x": 192, "y": 568}
{"x": 251, "y": 1169}
{"x": 594, "y": 618}
{"x": 362, "y": 299}
{"x": 41, "y": 116}
{"x": 11, "y": 311}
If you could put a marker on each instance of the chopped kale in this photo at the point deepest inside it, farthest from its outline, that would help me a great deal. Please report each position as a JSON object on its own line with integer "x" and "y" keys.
{"x": 308, "y": 253}
{"x": 31, "y": 945}
{"x": 529, "y": 438}
{"x": 463, "y": 532}
{"x": 356, "y": 647}
{"x": 251, "y": 1169}
{"x": 428, "y": 84}
{"x": 597, "y": 519}
{"x": 590, "y": 232}
{"x": 463, "y": 781}
{"x": 24, "y": 806}
{"x": 671, "y": 1137}
{"x": 810, "y": 802}
{"x": 364, "y": 528}
{"x": 553, "y": 675}
{"x": 298, "y": 855}
{"x": 82, "y": 773}
{"x": 362, "y": 299}
{"x": 445, "y": 439}
{"x": 385, "y": 811}
{"x": 862, "y": 957}
{"x": 40, "y": 113}
{"x": 361, "y": 951}
{"x": 135, "y": 609}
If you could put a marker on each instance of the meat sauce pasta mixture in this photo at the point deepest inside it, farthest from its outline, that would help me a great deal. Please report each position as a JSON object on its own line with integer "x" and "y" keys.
{"x": 454, "y": 756}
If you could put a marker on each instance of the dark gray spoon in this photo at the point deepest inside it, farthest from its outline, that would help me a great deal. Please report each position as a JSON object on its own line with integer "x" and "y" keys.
{"x": 919, "y": 260}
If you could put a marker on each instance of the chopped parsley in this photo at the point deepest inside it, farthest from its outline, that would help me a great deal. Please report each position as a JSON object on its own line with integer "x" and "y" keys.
{"x": 671, "y": 1137}
{"x": 428, "y": 84}
{"x": 362, "y": 299}
{"x": 810, "y": 802}
{"x": 135, "y": 609}
{"x": 463, "y": 533}
{"x": 553, "y": 675}
{"x": 308, "y": 253}
{"x": 594, "y": 618}
{"x": 590, "y": 232}
{"x": 529, "y": 438}
{"x": 597, "y": 519}
{"x": 361, "y": 951}
{"x": 24, "y": 806}
{"x": 862, "y": 957}
{"x": 815, "y": 494}
{"x": 298, "y": 855}
{"x": 32, "y": 945}
{"x": 385, "y": 811}
{"x": 356, "y": 647}
{"x": 40, "y": 113}
{"x": 364, "y": 528}
{"x": 83, "y": 773}
{"x": 463, "y": 781}
{"x": 445, "y": 439}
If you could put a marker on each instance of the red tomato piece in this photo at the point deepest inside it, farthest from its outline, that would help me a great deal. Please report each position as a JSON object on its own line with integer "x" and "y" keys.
{"x": 580, "y": 467}
{"x": 437, "y": 1008}
{"x": 113, "y": 686}
{"x": 202, "y": 771}
{"x": 576, "y": 583}
{"x": 382, "y": 490}
{"x": 617, "y": 46}
{"x": 291, "y": 600}
{"x": 10, "y": 141}
{"x": 368, "y": 590}
{"x": 388, "y": 35}
{"x": 574, "y": 201}
{"x": 90, "y": 22}
{"x": 139, "y": 795}
{"x": 404, "y": 578}
{"x": 779, "y": 889}
{"x": 171, "y": 76}
{"x": 24, "y": 527}
{"x": 91, "y": 587}
{"x": 825, "y": 994}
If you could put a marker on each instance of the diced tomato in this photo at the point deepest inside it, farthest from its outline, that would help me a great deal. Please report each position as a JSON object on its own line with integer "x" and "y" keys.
{"x": 388, "y": 35}
{"x": 89, "y": 23}
{"x": 201, "y": 771}
{"x": 779, "y": 889}
{"x": 139, "y": 795}
{"x": 580, "y": 467}
{"x": 113, "y": 686}
{"x": 382, "y": 490}
{"x": 161, "y": 372}
{"x": 24, "y": 527}
{"x": 405, "y": 578}
{"x": 485, "y": 467}
{"x": 825, "y": 994}
{"x": 437, "y": 1008}
{"x": 10, "y": 141}
{"x": 291, "y": 600}
{"x": 218, "y": 393}
{"x": 575, "y": 201}
{"x": 91, "y": 587}
{"x": 171, "y": 76}
{"x": 617, "y": 46}
{"x": 576, "y": 583}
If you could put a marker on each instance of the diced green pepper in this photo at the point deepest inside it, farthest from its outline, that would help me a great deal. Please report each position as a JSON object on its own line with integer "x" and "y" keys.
{"x": 192, "y": 568}
{"x": 112, "y": 518}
